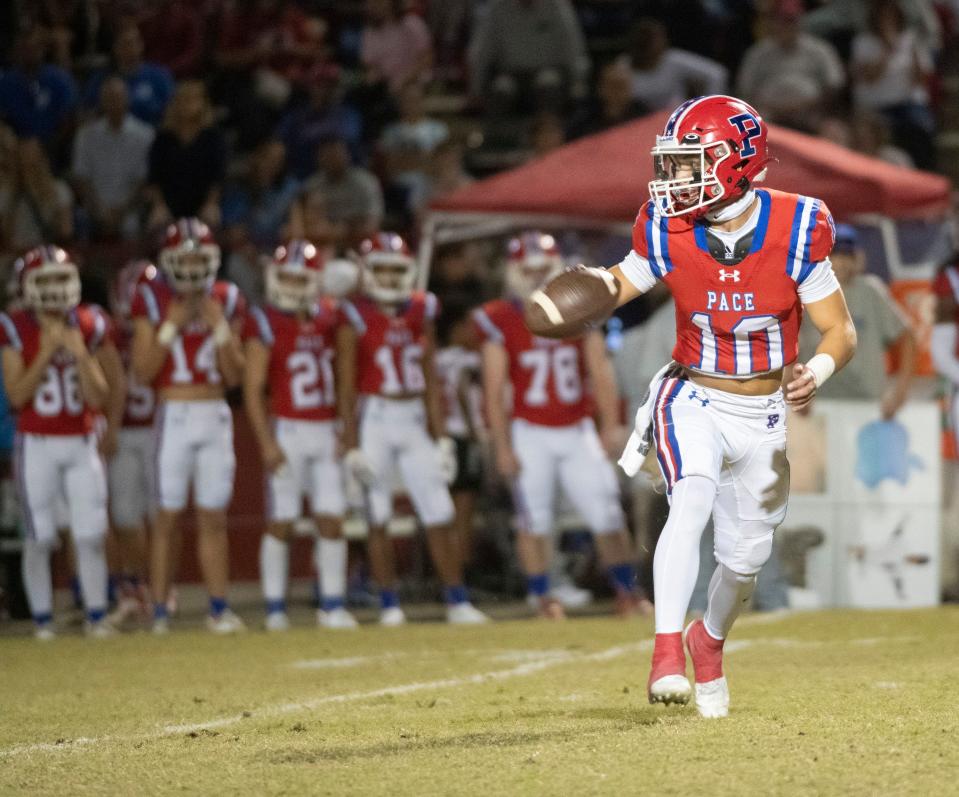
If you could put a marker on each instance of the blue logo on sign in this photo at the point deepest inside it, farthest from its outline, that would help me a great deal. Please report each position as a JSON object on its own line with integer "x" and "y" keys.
{"x": 748, "y": 125}
{"x": 883, "y": 453}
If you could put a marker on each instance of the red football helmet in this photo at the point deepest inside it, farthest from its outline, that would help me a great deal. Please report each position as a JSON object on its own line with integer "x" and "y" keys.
{"x": 532, "y": 259}
{"x": 125, "y": 285}
{"x": 49, "y": 280}
{"x": 293, "y": 276}
{"x": 712, "y": 150}
{"x": 389, "y": 268}
{"x": 190, "y": 256}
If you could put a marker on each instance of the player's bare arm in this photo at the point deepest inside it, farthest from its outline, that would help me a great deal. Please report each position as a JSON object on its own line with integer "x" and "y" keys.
{"x": 600, "y": 371}
{"x": 254, "y": 400}
{"x": 229, "y": 354}
{"x": 898, "y": 391}
{"x": 151, "y": 347}
{"x": 432, "y": 396}
{"x": 346, "y": 346}
{"x": 109, "y": 359}
{"x": 836, "y": 348}
{"x": 627, "y": 290}
{"x": 93, "y": 382}
{"x": 495, "y": 377}
{"x": 21, "y": 383}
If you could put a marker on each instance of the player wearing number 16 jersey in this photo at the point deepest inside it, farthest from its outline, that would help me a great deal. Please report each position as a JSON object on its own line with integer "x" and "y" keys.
{"x": 290, "y": 349}
{"x": 552, "y": 437}
{"x": 385, "y": 353}
{"x": 185, "y": 344}
{"x": 53, "y": 356}
{"x": 743, "y": 264}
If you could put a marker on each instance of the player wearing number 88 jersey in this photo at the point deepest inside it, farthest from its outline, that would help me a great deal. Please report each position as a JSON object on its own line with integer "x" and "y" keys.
{"x": 290, "y": 348}
{"x": 54, "y": 353}
{"x": 385, "y": 353}
{"x": 186, "y": 345}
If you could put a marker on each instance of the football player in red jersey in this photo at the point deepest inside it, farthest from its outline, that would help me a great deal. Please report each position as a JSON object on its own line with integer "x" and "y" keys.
{"x": 290, "y": 350}
{"x": 186, "y": 346}
{"x": 385, "y": 353}
{"x": 55, "y": 380}
{"x": 742, "y": 263}
{"x": 552, "y": 436}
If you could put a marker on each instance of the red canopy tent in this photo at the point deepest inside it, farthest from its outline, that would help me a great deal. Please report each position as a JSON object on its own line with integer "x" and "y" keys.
{"x": 602, "y": 178}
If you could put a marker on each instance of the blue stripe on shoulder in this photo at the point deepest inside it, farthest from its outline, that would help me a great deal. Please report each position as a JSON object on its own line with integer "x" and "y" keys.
{"x": 759, "y": 236}
{"x": 807, "y": 264}
{"x": 664, "y": 243}
{"x": 699, "y": 233}
{"x": 650, "y": 251}
{"x": 794, "y": 234}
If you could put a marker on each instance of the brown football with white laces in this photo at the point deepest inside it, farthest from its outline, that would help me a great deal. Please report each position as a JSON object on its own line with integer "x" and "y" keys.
{"x": 571, "y": 303}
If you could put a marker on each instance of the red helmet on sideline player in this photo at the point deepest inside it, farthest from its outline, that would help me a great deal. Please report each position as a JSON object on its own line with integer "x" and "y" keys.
{"x": 190, "y": 256}
{"x": 49, "y": 280}
{"x": 389, "y": 268}
{"x": 293, "y": 276}
{"x": 533, "y": 258}
{"x": 711, "y": 151}
{"x": 125, "y": 285}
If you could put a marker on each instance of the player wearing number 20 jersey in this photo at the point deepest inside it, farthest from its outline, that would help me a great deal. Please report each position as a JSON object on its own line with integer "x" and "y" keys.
{"x": 56, "y": 449}
{"x": 290, "y": 348}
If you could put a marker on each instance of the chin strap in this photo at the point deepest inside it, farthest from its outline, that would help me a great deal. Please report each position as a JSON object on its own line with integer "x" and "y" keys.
{"x": 732, "y": 210}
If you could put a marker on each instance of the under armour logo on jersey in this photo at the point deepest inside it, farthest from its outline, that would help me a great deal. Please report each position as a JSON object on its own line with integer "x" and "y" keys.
{"x": 695, "y": 396}
{"x": 729, "y": 275}
{"x": 772, "y": 420}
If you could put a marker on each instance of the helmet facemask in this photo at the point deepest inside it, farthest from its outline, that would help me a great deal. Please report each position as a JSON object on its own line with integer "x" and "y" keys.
{"x": 686, "y": 180}
{"x": 52, "y": 288}
{"x": 292, "y": 291}
{"x": 191, "y": 269}
{"x": 390, "y": 278}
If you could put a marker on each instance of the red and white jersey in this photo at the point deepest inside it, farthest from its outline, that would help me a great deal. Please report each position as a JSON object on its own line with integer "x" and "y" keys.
{"x": 192, "y": 357}
{"x": 390, "y": 357}
{"x": 141, "y": 399}
{"x": 742, "y": 320}
{"x": 300, "y": 375}
{"x": 454, "y": 366}
{"x": 548, "y": 376}
{"x": 58, "y": 407}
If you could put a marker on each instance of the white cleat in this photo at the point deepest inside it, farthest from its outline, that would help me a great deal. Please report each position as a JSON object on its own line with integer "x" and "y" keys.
{"x": 670, "y": 689}
{"x": 161, "y": 626}
{"x": 465, "y": 614}
{"x": 392, "y": 617}
{"x": 226, "y": 622}
{"x": 712, "y": 699}
{"x": 338, "y": 619}
{"x": 44, "y": 632}
{"x": 101, "y": 629}
{"x": 275, "y": 621}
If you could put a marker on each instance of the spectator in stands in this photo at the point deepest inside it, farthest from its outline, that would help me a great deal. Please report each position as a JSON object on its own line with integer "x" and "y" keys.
{"x": 309, "y": 220}
{"x": 323, "y": 116}
{"x": 37, "y": 99}
{"x": 395, "y": 47}
{"x": 446, "y": 170}
{"x": 613, "y": 103}
{"x": 528, "y": 53}
{"x": 840, "y": 20}
{"x": 880, "y": 325}
{"x": 449, "y": 24}
{"x": 353, "y": 195}
{"x": 149, "y": 86}
{"x": 407, "y": 147}
{"x": 173, "y": 35}
{"x": 791, "y": 77}
{"x": 110, "y": 157}
{"x": 890, "y": 67}
{"x": 664, "y": 76}
{"x": 187, "y": 160}
{"x": 870, "y": 136}
{"x": 38, "y": 207}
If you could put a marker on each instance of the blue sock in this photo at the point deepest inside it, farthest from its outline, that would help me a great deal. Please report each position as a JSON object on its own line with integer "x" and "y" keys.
{"x": 456, "y": 594}
{"x": 622, "y": 577}
{"x": 43, "y": 619}
{"x": 75, "y": 591}
{"x": 538, "y": 584}
{"x": 389, "y": 599}
{"x": 333, "y": 602}
{"x": 217, "y": 606}
{"x": 272, "y": 607}
{"x": 113, "y": 582}
{"x": 95, "y": 615}
{"x": 160, "y": 612}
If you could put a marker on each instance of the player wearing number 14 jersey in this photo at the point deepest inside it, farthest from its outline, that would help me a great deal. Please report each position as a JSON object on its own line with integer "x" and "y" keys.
{"x": 185, "y": 344}
{"x": 290, "y": 349}
{"x": 53, "y": 353}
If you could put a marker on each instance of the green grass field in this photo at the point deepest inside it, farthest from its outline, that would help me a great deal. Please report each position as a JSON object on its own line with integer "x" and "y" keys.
{"x": 823, "y": 703}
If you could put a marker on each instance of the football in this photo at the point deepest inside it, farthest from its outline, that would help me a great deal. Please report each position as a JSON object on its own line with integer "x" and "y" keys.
{"x": 572, "y": 302}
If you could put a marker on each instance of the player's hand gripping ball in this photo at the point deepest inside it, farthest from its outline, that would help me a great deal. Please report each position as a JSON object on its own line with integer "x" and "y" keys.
{"x": 571, "y": 303}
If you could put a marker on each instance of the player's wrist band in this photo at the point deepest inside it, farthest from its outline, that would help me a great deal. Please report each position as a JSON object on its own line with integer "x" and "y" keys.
{"x": 821, "y": 366}
{"x": 166, "y": 333}
{"x": 222, "y": 334}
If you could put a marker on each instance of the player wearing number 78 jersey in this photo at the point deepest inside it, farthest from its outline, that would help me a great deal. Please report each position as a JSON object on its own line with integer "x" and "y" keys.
{"x": 290, "y": 349}
{"x": 185, "y": 344}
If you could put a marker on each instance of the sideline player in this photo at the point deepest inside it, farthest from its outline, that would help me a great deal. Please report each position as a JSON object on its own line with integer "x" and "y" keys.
{"x": 743, "y": 264}
{"x": 944, "y": 343}
{"x": 551, "y": 436}
{"x": 290, "y": 351}
{"x": 385, "y": 353}
{"x": 54, "y": 377}
{"x": 185, "y": 346}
